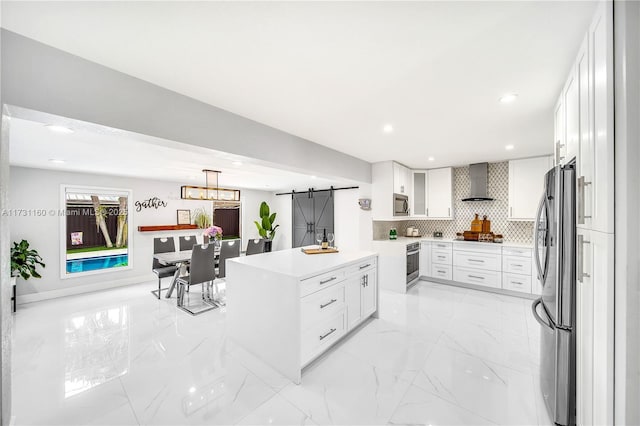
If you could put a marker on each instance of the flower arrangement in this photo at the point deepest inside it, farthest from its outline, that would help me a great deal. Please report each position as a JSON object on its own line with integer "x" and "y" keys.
{"x": 214, "y": 232}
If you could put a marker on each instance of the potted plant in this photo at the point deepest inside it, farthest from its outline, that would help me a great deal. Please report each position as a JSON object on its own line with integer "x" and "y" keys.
{"x": 23, "y": 264}
{"x": 266, "y": 229}
{"x": 201, "y": 218}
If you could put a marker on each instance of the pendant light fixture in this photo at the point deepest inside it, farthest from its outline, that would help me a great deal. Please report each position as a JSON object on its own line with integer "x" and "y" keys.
{"x": 210, "y": 191}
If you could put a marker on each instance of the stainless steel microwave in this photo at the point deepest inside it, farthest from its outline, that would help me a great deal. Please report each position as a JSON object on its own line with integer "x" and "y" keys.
{"x": 400, "y": 205}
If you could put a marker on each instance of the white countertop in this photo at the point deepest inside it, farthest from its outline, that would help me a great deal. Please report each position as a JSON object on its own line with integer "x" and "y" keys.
{"x": 408, "y": 240}
{"x": 294, "y": 263}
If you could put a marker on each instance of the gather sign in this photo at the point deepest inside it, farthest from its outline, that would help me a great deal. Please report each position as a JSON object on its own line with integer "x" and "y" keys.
{"x": 151, "y": 203}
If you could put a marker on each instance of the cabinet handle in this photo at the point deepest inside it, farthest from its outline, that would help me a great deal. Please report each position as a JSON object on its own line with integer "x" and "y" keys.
{"x": 449, "y": 211}
{"x": 442, "y": 272}
{"x": 328, "y": 303}
{"x": 365, "y": 266}
{"x": 476, "y": 260}
{"x": 476, "y": 277}
{"x": 582, "y": 184}
{"x": 580, "y": 258}
{"x": 327, "y": 281}
{"x": 427, "y": 211}
{"x": 510, "y": 211}
{"x": 327, "y": 335}
{"x": 516, "y": 265}
{"x": 516, "y": 282}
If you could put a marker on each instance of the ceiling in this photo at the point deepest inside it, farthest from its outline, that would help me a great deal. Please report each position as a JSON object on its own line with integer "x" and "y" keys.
{"x": 336, "y": 72}
{"x": 102, "y": 150}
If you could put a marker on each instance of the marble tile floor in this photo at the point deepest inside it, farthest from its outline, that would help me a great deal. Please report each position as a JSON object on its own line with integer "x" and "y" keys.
{"x": 437, "y": 355}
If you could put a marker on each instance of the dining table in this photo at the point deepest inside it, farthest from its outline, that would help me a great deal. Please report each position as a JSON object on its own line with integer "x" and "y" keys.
{"x": 181, "y": 260}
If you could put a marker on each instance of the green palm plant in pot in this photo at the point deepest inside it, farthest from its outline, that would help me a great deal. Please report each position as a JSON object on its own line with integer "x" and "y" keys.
{"x": 265, "y": 226}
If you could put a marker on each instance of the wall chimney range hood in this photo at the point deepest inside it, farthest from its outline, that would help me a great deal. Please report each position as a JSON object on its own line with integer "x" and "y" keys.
{"x": 478, "y": 176}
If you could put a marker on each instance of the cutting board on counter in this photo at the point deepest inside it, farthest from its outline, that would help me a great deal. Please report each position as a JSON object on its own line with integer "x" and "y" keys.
{"x": 319, "y": 250}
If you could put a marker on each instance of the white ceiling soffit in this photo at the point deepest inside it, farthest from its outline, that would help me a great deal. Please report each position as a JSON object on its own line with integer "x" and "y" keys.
{"x": 336, "y": 72}
{"x": 102, "y": 150}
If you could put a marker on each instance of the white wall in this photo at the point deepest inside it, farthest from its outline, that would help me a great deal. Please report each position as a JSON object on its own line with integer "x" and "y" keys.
{"x": 40, "y": 189}
{"x": 353, "y": 226}
{"x": 251, "y": 201}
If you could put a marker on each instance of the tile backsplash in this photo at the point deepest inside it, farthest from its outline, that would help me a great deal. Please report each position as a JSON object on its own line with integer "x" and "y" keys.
{"x": 496, "y": 211}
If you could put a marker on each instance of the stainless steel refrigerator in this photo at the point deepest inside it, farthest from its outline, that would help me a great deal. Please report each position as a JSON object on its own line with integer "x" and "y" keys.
{"x": 555, "y": 310}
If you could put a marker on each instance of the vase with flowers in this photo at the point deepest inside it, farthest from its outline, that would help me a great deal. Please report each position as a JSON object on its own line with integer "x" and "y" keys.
{"x": 212, "y": 233}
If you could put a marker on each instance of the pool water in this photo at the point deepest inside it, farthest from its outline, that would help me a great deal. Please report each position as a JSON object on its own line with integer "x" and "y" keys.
{"x": 96, "y": 263}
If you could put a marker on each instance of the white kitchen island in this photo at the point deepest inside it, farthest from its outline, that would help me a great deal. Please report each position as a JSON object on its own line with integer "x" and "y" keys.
{"x": 288, "y": 308}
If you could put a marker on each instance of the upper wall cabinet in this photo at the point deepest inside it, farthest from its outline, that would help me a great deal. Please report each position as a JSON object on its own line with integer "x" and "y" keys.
{"x": 526, "y": 184}
{"x": 558, "y": 132}
{"x": 389, "y": 178}
{"x": 401, "y": 179}
{"x": 433, "y": 193}
{"x": 440, "y": 193}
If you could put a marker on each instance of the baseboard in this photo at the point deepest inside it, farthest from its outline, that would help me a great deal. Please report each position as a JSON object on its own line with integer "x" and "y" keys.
{"x": 83, "y": 288}
{"x": 530, "y": 296}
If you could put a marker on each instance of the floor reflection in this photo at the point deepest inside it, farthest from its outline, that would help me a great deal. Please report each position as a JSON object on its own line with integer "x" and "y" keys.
{"x": 96, "y": 348}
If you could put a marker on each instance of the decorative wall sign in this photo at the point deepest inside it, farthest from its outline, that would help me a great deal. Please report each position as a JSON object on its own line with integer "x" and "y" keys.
{"x": 151, "y": 203}
{"x": 184, "y": 217}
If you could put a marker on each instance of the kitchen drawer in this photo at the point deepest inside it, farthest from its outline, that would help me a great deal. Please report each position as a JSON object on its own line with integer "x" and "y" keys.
{"x": 478, "y": 277}
{"x": 319, "y": 337}
{"x": 362, "y": 266}
{"x": 516, "y": 282}
{"x": 476, "y": 260}
{"x": 441, "y": 256}
{"x": 477, "y": 247}
{"x": 321, "y": 305}
{"x": 444, "y": 272}
{"x": 441, "y": 246}
{"x": 319, "y": 282}
{"x": 515, "y": 251}
{"x": 516, "y": 265}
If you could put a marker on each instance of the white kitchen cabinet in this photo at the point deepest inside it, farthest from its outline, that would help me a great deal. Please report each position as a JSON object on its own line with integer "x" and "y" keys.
{"x": 595, "y": 304}
{"x": 584, "y": 336}
{"x": 440, "y": 193}
{"x": 601, "y": 52}
{"x": 432, "y": 194}
{"x": 401, "y": 179}
{"x": 584, "y": 161}
{"x": 353, "y": 298}
{"x": 425, "y": 259}
{"x": 369, "y": 292}
{"x": 419, "y": 198}
{"x": 571, "y": 115}
{"x": 558, "y": 131}
{"x": 389, "y": 178}
{"x": 304, "y": 304}
{"x": 526, "y": 184}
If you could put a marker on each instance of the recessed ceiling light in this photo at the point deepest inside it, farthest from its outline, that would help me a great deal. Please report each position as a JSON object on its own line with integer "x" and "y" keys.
{"x": 509, "y": 147}
{"x": 431, "y": 159}
{"x": 237, "y": 163}
{"x": 508, "y": 98}
{"x": 56, "y": 160}
{"x": 314, "y": 177}
{"x": 388, "y": 128}
{"x": 59, "y": 129}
